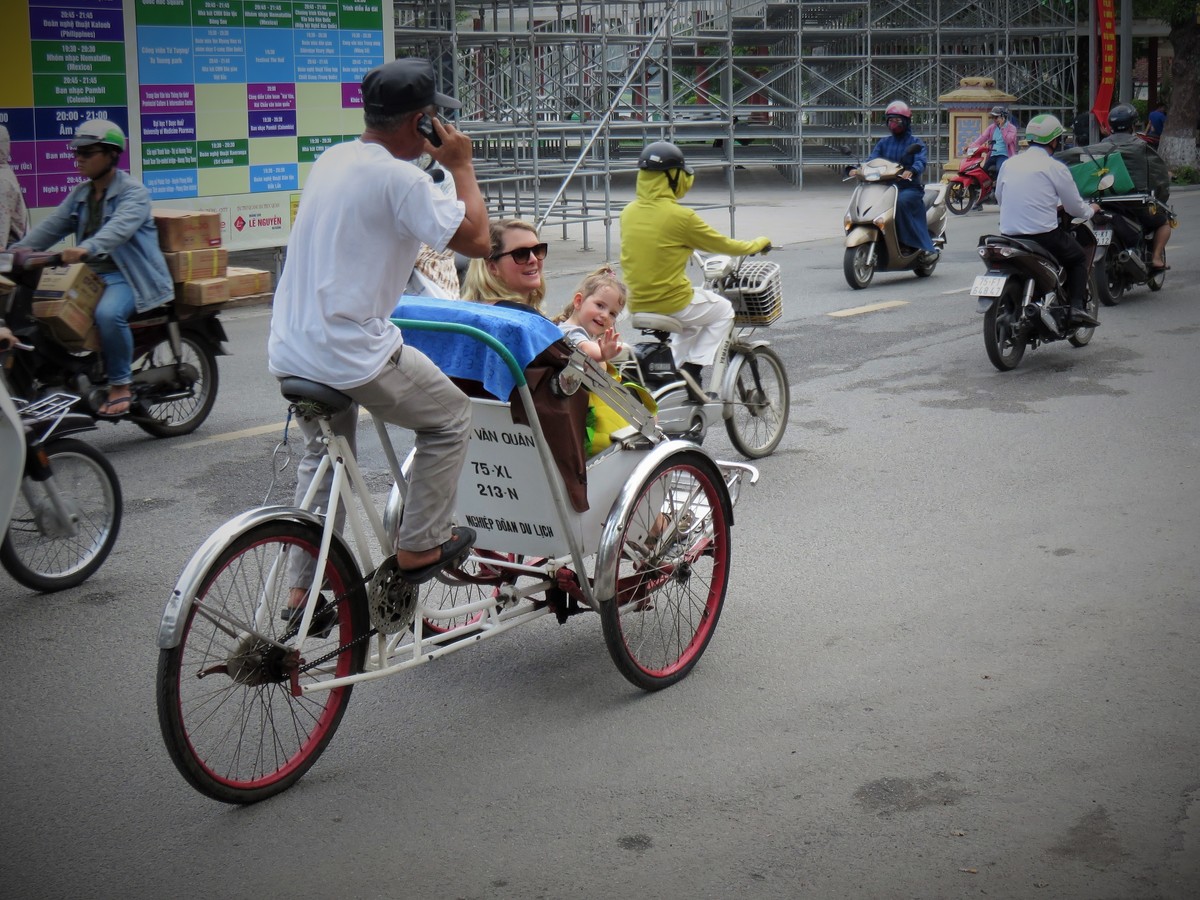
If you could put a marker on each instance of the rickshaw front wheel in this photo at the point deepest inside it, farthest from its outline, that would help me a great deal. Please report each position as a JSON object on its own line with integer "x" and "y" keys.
{"x": 673, "y": 570}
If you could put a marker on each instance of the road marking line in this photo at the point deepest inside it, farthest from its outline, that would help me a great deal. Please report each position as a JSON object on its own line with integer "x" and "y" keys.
{"x": 244, "y": 433}
{"x": 231, "y": 436}
{"x": 961, "y": 290}
{"x": 859, "y": 310}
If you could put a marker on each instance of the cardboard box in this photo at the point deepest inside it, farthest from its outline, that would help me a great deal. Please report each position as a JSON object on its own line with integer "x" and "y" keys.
{"x": 188, "y": 265}
{"x": 75, "y": 282}
{"x": 245, "y": 282}
{"x": 65, "y": 300}
{"x": 70, "y": 324}
{"x": 186, "y": 229}
{"x": 202, "y": 291}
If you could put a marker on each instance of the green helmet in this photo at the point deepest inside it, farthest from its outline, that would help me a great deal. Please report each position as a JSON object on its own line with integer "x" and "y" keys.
{"x": 99, "y": 131}
{"x": 1043, "y": 129}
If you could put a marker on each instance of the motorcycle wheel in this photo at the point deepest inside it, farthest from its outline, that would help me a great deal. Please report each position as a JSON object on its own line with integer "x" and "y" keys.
{"x": 959, "y": 199}
{"x": 1000, "y": 333}
{"x": 857, "y": 269}
{"x": 1156, "y": 281}
{"x": 173, "y": 410}
{"x": 1081, "y": 337}
{"x": 1109, "y": 287}
{"x": 34, "y": 551}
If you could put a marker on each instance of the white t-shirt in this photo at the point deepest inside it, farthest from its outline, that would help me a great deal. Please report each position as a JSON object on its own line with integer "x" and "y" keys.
{"x": 362, "y": 219}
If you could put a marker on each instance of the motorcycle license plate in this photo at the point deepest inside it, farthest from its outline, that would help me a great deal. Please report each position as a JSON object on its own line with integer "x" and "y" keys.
{"x": 1103, "y": 237}
{"x": 988, "y": 285}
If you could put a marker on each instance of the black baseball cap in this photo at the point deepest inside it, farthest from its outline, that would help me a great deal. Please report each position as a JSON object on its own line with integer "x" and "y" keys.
{"x": 403, "y": 85}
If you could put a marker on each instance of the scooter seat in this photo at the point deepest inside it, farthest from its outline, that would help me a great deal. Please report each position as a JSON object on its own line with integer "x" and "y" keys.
{"x": 655, "y": 322}
{"x": 301, "y": 390}
{"x": 1023, "y": 243}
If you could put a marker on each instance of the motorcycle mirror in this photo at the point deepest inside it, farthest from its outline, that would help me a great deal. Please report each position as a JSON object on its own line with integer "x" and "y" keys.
{"x": 914, "y": 149}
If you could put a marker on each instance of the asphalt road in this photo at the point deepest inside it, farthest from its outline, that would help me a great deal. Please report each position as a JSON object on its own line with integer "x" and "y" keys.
{"x": 956, "y": 657}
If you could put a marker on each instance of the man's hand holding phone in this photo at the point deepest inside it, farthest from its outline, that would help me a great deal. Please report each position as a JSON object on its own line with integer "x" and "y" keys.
{"x": 449, "y": 146}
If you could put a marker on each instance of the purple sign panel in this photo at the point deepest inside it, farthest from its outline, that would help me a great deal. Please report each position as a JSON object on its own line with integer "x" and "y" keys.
{"x": 265, "y": 97}
{"x": 279, "y": 123}
{"x": 351, "y": 95}
{"x": 169, "y": 127}
{"x": 76, "y": 23}
{"x": 53, "y": 156}
{"x": 167, "y": 98}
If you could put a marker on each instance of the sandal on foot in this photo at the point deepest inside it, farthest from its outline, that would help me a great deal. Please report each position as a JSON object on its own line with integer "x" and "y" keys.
{"x": 115, "y": 407}
{"x": 460, "y": 542}
{"x": 323, "y": 620}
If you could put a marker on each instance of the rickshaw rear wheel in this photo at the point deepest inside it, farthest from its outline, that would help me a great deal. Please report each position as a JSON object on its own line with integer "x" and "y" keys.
{"x": 673, "y": 570}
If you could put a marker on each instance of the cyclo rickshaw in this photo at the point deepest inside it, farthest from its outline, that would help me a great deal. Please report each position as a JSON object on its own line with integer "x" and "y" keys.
{"x": 249, "y": 695}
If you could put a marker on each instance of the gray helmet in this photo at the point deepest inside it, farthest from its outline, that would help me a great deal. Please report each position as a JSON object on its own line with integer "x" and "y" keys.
{"x": 99, "y": 131}
{"x": 999, "y": 111}
{"x": 662, "y": 156}
{"x": 1122, "y": 117}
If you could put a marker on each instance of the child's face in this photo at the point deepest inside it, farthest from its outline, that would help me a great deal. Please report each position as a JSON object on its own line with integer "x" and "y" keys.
{"x": 598, "y": 311}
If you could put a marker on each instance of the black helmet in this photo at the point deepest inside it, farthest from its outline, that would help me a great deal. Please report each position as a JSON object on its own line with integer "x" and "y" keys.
{"x": 662, "y": 156}
{"x": 1122, "y": 117}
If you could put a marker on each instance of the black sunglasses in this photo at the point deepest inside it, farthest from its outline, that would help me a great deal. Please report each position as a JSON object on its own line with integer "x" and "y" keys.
{"x": 88, "y": 152}
{"x": 521, "y": 254}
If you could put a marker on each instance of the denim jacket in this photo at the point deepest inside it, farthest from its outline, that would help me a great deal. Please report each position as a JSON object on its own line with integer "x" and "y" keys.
{"x": 127, "y": 235}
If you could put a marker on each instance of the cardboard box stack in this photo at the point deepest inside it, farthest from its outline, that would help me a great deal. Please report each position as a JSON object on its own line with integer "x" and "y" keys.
{"x": 191, "y": 243}
{"x": 65, "y": 301}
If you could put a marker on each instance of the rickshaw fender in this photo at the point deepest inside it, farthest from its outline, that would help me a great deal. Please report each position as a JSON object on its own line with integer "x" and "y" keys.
{"x": 609, "y": 557}
{"x": 170, "y": 628}
{"x": 861, "y": 234}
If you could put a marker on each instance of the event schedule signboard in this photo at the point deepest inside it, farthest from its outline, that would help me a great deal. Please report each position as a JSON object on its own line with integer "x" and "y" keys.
{"x": 226, "y": 102}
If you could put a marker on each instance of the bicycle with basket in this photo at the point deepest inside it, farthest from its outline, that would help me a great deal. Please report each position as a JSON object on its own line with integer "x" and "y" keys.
{"x": 749, "y": 388}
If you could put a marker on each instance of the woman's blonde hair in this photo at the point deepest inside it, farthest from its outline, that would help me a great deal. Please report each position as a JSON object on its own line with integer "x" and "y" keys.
{"x": 592, "y": 282}
{"x": 481, "y": 283}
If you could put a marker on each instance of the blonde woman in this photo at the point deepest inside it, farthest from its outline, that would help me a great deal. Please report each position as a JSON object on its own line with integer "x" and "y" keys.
{"x": 511, "y": 275}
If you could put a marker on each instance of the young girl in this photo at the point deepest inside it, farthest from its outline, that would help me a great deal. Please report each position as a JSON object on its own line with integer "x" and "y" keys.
{"x": 587, "y": 321}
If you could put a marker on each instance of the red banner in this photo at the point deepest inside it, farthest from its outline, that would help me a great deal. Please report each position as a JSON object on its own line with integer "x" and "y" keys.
{"x": 1106, "y": 72}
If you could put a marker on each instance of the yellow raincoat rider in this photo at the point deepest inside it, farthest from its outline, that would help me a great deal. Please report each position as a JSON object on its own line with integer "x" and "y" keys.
{"x": 658, "y": 235}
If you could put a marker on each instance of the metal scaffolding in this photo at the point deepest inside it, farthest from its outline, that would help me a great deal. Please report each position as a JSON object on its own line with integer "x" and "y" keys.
{"x": 559, "y": 97}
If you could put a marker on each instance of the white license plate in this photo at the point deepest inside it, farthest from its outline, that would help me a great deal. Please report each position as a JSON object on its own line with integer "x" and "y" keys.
{"x": 988, "y": 285}
{"x": 1103, "y": 236}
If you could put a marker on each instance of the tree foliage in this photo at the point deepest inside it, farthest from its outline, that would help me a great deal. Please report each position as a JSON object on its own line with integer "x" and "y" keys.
{"x": 1182, "y": 17}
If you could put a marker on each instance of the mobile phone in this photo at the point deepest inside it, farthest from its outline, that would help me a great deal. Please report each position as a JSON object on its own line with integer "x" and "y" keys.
{"x": 425, "y": 126}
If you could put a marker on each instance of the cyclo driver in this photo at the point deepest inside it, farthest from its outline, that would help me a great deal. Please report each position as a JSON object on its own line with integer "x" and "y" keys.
{"x": 658, "y": 235}
{"x": 1029, "y": 189}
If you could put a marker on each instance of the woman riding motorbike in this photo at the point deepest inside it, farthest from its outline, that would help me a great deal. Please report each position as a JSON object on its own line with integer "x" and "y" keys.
{"x": 910, "y": 201}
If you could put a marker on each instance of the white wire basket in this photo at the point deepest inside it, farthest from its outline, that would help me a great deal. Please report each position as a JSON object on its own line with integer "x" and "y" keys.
{"x": 756, "y": 293}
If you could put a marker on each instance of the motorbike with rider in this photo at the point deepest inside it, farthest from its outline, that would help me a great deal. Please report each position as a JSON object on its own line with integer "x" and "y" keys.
{"x": 156, "y": 367}
{"x": 1037, "y": 287}
{"x": 892, "y": 222}
{"x": 1141, "y": 219}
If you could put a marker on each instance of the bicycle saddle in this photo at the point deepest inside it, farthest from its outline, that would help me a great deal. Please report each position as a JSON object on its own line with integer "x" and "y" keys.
{"x": 655, "y": 322}
{"x": 323, "y": 399}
